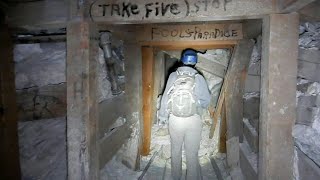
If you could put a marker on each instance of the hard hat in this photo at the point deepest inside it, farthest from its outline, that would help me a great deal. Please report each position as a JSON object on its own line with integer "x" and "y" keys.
{"x": 189, "y": 57}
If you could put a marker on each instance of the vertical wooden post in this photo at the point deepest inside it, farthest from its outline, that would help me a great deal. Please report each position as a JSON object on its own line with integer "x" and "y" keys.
{"x": 278, "y": 95}
{"x": 9, "y": 149}
{"x": 235, "y": 88}
{"x": 82, "y": 49}
{"x": 223, "y": 131}
{"x": 147, "y": 89}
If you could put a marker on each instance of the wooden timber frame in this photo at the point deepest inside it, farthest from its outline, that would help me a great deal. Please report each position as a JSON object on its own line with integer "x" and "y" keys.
{"x": 148, "y": 78}
{"x": 279, "y": 69}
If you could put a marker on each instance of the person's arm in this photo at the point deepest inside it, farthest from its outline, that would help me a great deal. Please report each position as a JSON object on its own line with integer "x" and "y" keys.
{"x": 202, "y": 91}
{"x": 163, "y": 112}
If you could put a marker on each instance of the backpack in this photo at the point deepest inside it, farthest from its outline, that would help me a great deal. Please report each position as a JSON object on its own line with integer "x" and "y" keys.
{"x": 182, "y": 101}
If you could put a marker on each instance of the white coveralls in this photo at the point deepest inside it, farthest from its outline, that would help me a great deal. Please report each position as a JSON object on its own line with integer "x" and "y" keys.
{"x": 185, "y": 129}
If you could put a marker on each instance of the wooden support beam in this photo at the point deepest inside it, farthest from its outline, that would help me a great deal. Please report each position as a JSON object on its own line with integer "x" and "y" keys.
{"x": 294, "y": 5}
{"x": 133, "y": 92}
{"x": 45, "y": 14}
{"x": 9, "y": 151}
{"x": 197, "y": 45}
{"x": 216, "y": 114}
{"x": 40, "y": 39}
{"x": 278, "y": 95}
{"x": 310, "y": 13}
{"x": 211, "y": 66}
{"x": 235, "y": 87}
{"x": 147, "y": 88}
{"x": 82, "y": 113}
{"x": 223, "y": 131}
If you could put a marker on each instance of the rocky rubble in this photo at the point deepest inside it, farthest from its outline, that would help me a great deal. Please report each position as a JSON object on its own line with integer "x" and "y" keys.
{"x": 307, "y": 140}
{"x": 309, "y": 35}
{"x": 42, "y": 146}
{"x": 306, "y": 132}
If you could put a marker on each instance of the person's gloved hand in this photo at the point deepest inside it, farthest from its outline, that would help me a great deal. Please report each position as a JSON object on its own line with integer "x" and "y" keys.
{"x": 163, "y": 120}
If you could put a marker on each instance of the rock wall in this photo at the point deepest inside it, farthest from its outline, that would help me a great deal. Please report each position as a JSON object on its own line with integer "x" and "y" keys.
{"x": 306, "y": 132}
{"x": 40, "y": 80}
{"x": 42, "y": 147}
{"x": 40, "y": 71}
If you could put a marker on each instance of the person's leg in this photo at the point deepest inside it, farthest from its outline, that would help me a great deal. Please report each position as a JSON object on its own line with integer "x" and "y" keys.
{"x": 192, "y": 144}
{"x": 176, "y": 135}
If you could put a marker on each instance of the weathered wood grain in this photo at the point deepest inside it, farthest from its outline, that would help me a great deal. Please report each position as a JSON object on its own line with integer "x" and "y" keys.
{"x": 82, "y": 111}
{"x": 147, "y": 87}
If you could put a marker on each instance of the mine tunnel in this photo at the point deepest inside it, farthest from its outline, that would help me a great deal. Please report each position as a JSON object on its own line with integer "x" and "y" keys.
{"x": 82, "y": 84}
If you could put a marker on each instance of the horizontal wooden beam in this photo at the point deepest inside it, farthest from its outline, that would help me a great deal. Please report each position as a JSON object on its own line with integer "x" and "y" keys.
{"x": 152, "y": 11}
{"x": 43, "y": 14}
{"x": 211, "y": 66}
{"x": 40, "y": 39}
{"x": 295, "y": 5}
{"x": 198, "y": 45}
{"x": 310, "y": 13}
{"x": 48, "y": 14}
{"x": 191, "y": 32}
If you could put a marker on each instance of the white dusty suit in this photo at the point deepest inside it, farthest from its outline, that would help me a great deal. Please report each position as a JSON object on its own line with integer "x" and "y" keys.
{"x": 186, "y": 130}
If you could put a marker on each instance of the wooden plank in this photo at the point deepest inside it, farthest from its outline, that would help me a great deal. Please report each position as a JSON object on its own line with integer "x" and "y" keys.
{"x": 235, "y": 88}
{"x": 133, "y": 93}
{"x": 9, "y": 151}
{"x": 82, "y": 111}
{"x": 310, "y": 13}
{"x": 197, "y": 45}
{"x": 48, "y": 14}
{"x": 40, "y": 39}
{"x": 211, "y": 67}
{"x": 147, "y": 88}
{"x": 109, "y": 112}
{"x": 39, "y": 14}
{"x": 196, "y": 32}
{"x": 295, "y": 5}
{"x": 251, "y": 136}
{"x": 221, "y": 100}
{"x": 111, "y": 143}
{"x": 223, "y": 131}
{"x": 216, "y": 114}
{"x": 248, "y": 162}
{"x": 138, "y": 11}
{"x": 278, "y": 106}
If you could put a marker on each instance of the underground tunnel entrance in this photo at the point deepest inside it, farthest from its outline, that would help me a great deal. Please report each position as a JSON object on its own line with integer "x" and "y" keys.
{"x": 149, "y": 59}
{"x": 212, "y": 65}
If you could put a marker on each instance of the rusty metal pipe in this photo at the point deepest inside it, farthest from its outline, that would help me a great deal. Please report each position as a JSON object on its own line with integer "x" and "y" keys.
{"x": 105, "y": 44}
